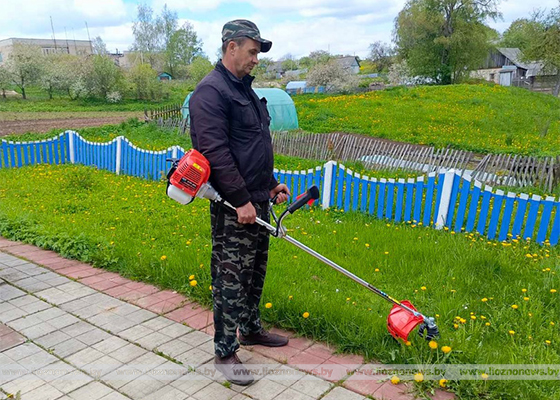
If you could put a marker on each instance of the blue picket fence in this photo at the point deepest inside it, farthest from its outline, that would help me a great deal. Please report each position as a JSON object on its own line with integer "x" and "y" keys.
{"x": 444, "y": 200}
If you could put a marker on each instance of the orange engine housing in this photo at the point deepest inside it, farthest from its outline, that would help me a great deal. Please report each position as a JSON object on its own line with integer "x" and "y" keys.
{"x": 192, "y": 172}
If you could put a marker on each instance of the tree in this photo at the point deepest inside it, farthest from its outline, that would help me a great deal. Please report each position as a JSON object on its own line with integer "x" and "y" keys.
{"x": 289, "y": 62}
{"x": 4, "y": 80}
{"x": 198, "y": 69}
{"x": 183, "y": 47}
{"x": 320, "y": 57}
{"x": 24, "y": 65}
{"x": 143, "y": 78}
{"x": 53, "y": 75}
{"x": 444, "y": 39}
{"x": 520, "y": 33}
{"x": 148, "y": 34}
{"x": 545, "y": 44}
{"x": 333, "y": 77}
{"x": 104, "y": 77}
{"x": 381, "y": 54}
{"x": 99, "y": 46}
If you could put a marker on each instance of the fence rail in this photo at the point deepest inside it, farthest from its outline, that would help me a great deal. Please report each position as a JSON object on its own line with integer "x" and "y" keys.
{"x": 441, "y": 199}
{"x": 493, "y": 169}
{"x": 163, "y": 113}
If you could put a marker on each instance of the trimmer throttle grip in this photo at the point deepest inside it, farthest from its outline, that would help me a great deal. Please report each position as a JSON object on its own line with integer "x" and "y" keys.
{"x": 311, "y": 194}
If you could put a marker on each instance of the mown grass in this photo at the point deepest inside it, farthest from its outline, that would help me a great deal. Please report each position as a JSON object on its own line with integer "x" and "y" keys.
{"x": 31, "y": 115}
{"x": 128, "y": 225}
{"x": 481, "y": 118}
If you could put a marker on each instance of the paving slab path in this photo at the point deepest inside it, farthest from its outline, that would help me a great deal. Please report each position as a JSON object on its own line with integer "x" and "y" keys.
{"x": 71, "y": 331}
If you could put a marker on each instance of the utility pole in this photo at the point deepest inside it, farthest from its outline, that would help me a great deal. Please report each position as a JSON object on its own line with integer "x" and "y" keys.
{"x": 90, "y": 45}
{"x": 54, "y": 38}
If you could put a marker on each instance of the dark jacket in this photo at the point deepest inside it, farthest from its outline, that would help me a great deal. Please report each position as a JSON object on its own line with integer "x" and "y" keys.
{"x": 230, "y": 127}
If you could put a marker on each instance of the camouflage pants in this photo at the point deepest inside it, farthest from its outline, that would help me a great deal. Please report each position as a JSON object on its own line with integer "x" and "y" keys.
{"x": 239, "y": 257}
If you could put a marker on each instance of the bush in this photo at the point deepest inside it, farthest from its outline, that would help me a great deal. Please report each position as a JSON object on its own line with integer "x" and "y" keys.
{"x": 333, "y": 77}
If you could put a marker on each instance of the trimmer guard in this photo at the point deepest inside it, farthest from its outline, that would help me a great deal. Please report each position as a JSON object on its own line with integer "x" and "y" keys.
{"x": 401, "y": 322}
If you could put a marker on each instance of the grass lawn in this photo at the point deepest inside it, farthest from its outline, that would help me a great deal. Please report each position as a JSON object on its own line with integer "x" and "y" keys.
{"x": 481, "y": 118}
{"x": 127, "y": 225}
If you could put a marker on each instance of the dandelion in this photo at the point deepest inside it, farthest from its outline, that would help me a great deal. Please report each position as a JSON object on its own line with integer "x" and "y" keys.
{"x": 408, "y": 343}
{"x": 473, "y": 317}
{"x": 547, "y": 342}
{"x": 442, "y": 382}
{"x": 487, "y": 324}
{"x": 514, "y": 306}
{"x": 511, "y": 332}
{"x": 305, "y": 315}
{"x": 290, "y": 297}
{"x": 526, "y": 298}
{"x": 552, "y": 290}
{"x": 210, "y": 287}
{"x": 163, "y": 258}
{"x": 552, "y": 323}
{"x": 484, "y": 300}
{"x": 395, "y": 380}
{"x": 268, "y": 305}
{"x": 419, "y": 377}
{"x": 484, "y": 376}
{"x": 524, "y": 290}
{"x": 446, "y": 349}
{"x": 376, "y": 270}
{"x": 193, "y": 283}
{"x": 386, "y": 252}
{"x": 433, "y": 344}
{"x": 423, "y": 288}
{"x": 367, "y": 245}
{"x": 455, "y": 326}
{"x": 191, "y": 277}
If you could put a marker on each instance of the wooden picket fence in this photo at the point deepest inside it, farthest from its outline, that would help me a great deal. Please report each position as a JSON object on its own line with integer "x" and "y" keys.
{"x": 441, "y": 199}
{"x": 374, "y": 153}
{"x": 169, "y": 112}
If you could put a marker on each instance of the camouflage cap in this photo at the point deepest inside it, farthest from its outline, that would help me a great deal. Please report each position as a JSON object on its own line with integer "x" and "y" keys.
{"x": 244, "y": 28}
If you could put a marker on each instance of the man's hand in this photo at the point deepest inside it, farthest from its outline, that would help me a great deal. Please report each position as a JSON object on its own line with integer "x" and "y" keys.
{"x": 283, "y": 191}
{"x": 246, "y": 214}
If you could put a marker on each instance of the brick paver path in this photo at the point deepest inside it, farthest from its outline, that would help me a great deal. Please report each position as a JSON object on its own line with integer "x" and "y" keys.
{"x": 71, "y": 331}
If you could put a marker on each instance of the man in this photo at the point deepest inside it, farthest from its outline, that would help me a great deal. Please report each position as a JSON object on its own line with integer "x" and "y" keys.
{"x": 230, "y": 127}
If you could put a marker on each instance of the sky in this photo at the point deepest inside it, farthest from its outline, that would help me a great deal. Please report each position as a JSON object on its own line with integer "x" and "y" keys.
{"x": 296, "y": 27}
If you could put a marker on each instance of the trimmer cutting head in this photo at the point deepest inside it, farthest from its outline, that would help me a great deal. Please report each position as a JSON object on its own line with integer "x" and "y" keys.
{"x": 401, "y": 322}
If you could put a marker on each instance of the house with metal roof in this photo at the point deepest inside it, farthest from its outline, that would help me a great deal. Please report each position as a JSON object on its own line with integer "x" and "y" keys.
{"x": 349, "y": 63}
{"x": 504, "y": 66}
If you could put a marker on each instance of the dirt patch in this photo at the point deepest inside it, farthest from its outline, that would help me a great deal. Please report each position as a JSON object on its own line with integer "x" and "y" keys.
{"x": 45, "y": 125}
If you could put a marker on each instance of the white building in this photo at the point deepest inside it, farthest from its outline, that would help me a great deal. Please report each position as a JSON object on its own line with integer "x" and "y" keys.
{"x": 49, "y": 46}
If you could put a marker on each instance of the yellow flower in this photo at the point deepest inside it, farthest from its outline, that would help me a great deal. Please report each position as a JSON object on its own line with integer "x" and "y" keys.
{"x": 395, "y": 380}
{"x": 446, "y": 349}
{"x": 433, "y": 344}
{"x": 268, "y": 305}
{"x": 547, "y": 341}
{"x": 367, "y": 245}
{"x": 191, "y": 277}
{"x": 305, "y": 315}
{"x": 386, "y": 252}
{"x": 487, "y": 324}
{"x": 210, "y": 287}
{"x": 408, "y": 343}
{"x": 552, "y": 323}
{"x": 423, "y": 288}
{"x": 511, "y": 333}
{"x": 163, "y": 258}
{"x": 526, "y": 298}
{"x": 193, "y": 283}
{"x": 455, "y": 326}
{"x": 484, "y": 376}
{"x": 484, "y": 300}
{"x": 524, "y": 290}
{"x": 290, "y": 297}
{"x": 514, "y": 306}
{"x": 442, "y": 382}
{"x": 473, "y": 317}
{"x": 419, "y": 377}
{"x": 552, "y": 290}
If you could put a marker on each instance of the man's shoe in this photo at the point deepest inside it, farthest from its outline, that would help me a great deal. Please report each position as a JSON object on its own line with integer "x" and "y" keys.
{"x": 233, "y": 370}
{"x": 263, "y": 338}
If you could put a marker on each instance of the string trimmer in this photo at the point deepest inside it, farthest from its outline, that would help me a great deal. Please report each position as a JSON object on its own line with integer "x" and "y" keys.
{"x": 188, "y": 179}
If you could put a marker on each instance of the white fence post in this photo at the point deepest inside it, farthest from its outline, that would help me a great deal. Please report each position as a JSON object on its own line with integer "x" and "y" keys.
{"x": 327, "y": 185}
{"x": 71, "y": 146}
{"x": 119, "y": 153}
{"x": 445, "y": 198}
{"x": 174, "y": 152}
